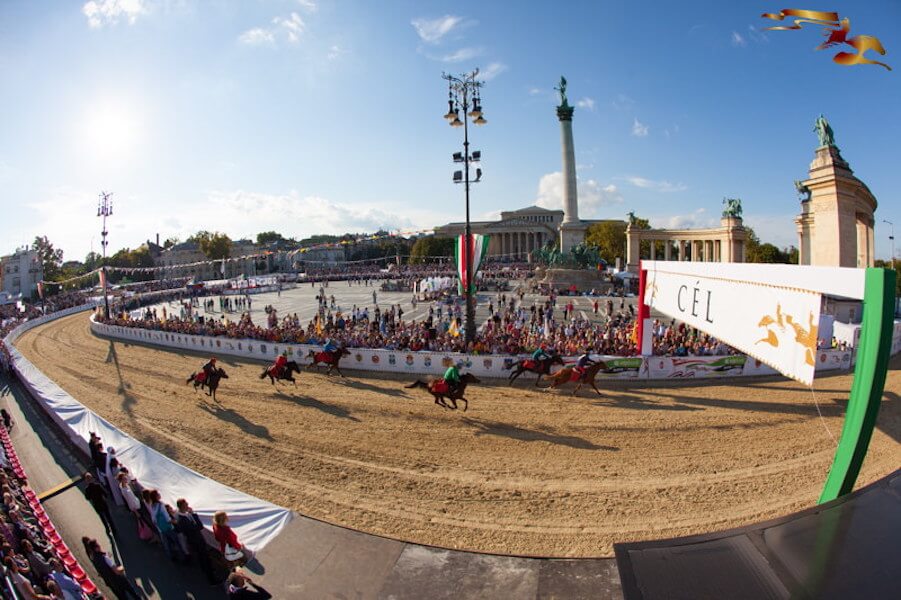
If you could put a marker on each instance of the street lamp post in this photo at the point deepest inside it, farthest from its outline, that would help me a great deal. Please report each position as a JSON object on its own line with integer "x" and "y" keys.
{"x": 462, "y": 90}
{"x": 104, "y": 210}
{"x": 892, "y": 238}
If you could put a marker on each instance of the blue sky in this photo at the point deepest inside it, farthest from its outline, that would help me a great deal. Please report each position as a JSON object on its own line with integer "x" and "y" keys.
{"x": 315, "y": 116}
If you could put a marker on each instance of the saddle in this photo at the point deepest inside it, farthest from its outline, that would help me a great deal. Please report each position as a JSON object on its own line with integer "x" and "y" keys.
{"x": 325, "y": 357}
{"x": 439, "y": 386}
{"x": 200, "y": 377}
{"x": 576, "y": 374}
{"x": 529, "y": 364}
{"x": 275, "y": 371}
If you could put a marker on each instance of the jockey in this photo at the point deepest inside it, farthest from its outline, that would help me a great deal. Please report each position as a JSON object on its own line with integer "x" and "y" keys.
{"x": 209, "y": 368}
{"x": 583, "y": 362}
{"x": 452, "y": 377}
{"x": 540, "y": 354}
{"x": 279, "y": 366}
{"x": 329, "y": 346}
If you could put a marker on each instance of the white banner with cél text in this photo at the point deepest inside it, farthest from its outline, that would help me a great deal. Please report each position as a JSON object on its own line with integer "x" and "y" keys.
{"x": 776, "y": 324}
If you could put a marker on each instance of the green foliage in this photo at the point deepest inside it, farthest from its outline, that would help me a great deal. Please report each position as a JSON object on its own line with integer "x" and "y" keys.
{"x": 609, "y": 237}
{"x": 213, "y": 245}
{"x": 50, "y": 257}
{"x": 756, "y": 252}
{"x": 431, "y": 246}
{"x": 267, "y": 237}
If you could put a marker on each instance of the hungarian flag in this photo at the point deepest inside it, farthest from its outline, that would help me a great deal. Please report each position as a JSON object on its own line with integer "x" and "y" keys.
{"x": 476, "y": 249}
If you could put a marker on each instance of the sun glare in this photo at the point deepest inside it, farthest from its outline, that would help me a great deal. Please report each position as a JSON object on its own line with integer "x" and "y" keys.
{"x": 110, "y": 132}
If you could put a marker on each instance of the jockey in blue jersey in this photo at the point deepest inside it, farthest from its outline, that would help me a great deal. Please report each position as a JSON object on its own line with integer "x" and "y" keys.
{"x": 329, "y": 346}
{"x": 584, "y": 361}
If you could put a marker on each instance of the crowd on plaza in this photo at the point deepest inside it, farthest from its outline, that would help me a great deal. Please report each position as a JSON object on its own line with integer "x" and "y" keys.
{"x": 513, "y": 327}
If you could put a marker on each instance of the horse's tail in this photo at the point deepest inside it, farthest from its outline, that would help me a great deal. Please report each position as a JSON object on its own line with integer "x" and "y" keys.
{"x": 264, "y": 373}
{"x": 514, "y": 365}
{"x": 190, "y": 379}
{"x": 417, "y": 384}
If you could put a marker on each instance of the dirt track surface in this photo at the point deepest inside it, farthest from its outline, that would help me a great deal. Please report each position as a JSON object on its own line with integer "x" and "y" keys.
{"x": 522, "y": 472}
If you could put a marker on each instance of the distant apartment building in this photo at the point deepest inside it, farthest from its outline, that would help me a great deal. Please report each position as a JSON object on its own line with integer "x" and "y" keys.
{"x": 20, "y": 273}
{"x": 187, "y": 260}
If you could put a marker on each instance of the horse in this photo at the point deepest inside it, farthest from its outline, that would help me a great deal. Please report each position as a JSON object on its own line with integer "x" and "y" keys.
{"x": 566, "y": 374}
{"x": 200, "y": 379}
{"x": 328, "y": 358}
{"x": 290, "y": 367}
{"x": 438, "y": 389}
{"x": 541, "y": 367}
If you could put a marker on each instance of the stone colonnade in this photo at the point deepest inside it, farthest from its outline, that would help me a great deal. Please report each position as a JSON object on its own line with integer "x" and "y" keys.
{"x": 722, "y": 244}
{"x": 517, "y": 244}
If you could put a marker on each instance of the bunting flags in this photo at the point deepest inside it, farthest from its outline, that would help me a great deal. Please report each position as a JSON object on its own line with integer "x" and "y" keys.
{"x": 477, "y": 249}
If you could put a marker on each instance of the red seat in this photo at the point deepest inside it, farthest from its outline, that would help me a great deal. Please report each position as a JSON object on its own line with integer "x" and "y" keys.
{"x": 87, "y": 587}
{"x": 78, "y": 573}
{"x": 69, "y": 561}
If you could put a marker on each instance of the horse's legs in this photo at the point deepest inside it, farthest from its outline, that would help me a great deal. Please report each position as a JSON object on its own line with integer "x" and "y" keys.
{"x": 339, "y": 371}
{"x": 514, "y": 376}
{"x": 466, "y": 405}
{"x": 537, "y": 381}
{"x": 578, "y": 387}
{"x": 596, "y": 388}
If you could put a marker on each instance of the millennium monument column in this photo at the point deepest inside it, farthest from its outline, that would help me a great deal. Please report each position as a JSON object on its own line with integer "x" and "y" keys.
{"x": 835, "y": 227}
{"x": 572, "y": 230}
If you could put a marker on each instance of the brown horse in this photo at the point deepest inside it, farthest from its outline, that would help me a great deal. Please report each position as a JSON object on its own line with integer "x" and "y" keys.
{"x": 328, "y": 358}
{"x": 541, "y": 367}
{"x": 566, "y": 374}
{"x": 438, "y": 389}
{"x": 201, "y": 380}
{"x": 290, "y": 367}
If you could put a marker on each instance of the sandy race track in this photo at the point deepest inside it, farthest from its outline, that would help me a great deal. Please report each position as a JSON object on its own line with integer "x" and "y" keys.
{"x": 522, "y": 472}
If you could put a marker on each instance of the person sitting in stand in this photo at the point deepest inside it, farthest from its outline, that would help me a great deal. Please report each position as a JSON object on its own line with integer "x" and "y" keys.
{"x": 583, "y": 362}
{"x": 452, "y": 378}
{"x": 279, "y": 366}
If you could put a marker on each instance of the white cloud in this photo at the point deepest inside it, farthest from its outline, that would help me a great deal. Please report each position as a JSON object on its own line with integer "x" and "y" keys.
{"x": 738, "y": 39}
{"x": 586, "y": 103}
{"x": 694, "y": 220}
{"x": 109, "y": 12}
{"x": 492, "y": 70}
{"x": 461, "y": 55}
{"x": 290, "y": 27}
{"x": 257, "y": 37}
{"x": 66, "y": 216}
{"x": 535, "y": 91}
{"x": 639, "y": 129}
{"x": 591, "y": 194}
{"x": 757, "y": 35}
{"x": 308, "y": 5}
{"x": 657, "y": 186}
{"x": 432, "y": 30}
{"x": 335, "y": 51}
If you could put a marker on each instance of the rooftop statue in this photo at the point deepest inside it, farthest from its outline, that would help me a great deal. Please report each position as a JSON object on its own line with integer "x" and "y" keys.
{"x": 803, "y": 191}
{"x": 824, "y": 132}
{"x": 732, "y": 207}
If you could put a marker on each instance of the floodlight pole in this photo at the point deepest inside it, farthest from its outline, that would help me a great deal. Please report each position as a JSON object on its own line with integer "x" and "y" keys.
{"x": 104, "y": 210}
{"x": 461, "y": 90}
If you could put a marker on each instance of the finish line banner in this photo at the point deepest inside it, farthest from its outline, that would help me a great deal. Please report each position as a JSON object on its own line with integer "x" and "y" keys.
{"x": 776, "y": 324}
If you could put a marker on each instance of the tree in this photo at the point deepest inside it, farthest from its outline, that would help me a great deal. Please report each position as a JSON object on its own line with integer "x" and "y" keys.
{"x": 756, "y": 252}
{"x": 172, "y": 241}
{"x": 609, "y": 237}
{"x": 267, "y": 237}
{"x": 214, "y": 246}
{"x": 50, "y": 257}
{"x": 430, "y": 246}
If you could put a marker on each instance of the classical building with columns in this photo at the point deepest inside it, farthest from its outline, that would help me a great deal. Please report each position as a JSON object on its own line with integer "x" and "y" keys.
{"x": 517, "y": 233}
{"x": 725, "y": 243}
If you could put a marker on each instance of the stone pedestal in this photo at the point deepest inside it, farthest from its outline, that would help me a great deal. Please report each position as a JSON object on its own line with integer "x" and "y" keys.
{"x": 835, "y": 227}
{"x": 583, "y": 279}
{"x": 571, "y": 235}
